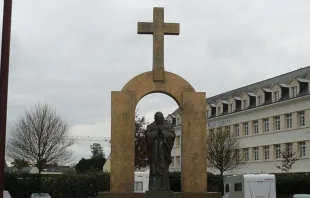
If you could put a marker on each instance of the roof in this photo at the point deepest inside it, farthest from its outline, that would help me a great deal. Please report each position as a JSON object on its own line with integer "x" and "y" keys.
{"x": 301, "y": 73}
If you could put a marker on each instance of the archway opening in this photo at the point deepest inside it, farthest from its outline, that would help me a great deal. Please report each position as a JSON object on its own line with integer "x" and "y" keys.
{"x": 145, "y": 110}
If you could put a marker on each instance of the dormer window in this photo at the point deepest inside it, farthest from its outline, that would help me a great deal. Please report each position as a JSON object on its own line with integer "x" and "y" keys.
{"x": 259, "y": 100}
{"x": 218, "y": 111}
{"x": 245, "y": 103}
{"x": 276, "y": 96}
{"x": 294, "y": 91}
{"x": 231, "y": 107}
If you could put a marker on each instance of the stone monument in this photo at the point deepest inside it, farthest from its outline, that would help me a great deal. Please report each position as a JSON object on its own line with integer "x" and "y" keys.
{"x": 193, "y": 107}
{"x": 160, "y": 138}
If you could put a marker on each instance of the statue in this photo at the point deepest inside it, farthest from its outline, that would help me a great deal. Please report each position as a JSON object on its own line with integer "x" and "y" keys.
{"x": 160, "y": 136}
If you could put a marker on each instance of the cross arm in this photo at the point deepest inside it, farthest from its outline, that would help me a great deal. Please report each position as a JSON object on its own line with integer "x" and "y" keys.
{"x": 145, "y": 28}
{"x": 172, "y": 28}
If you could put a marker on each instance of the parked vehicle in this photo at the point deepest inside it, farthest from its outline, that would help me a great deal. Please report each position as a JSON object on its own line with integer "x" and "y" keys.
{"x": 301, "y": 196}
{"x": 141, "y": 182}
{"x": 6, "y": 194}
{"x": 40, "y": 195}
{"x": 250, "y": 186}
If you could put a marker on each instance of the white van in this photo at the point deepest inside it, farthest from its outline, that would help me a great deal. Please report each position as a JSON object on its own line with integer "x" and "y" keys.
{"x": 141, "y": 182}
{"x": 250, "y": 185}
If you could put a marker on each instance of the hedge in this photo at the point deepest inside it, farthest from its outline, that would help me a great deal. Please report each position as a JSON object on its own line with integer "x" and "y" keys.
{"x": 83, "y": 186}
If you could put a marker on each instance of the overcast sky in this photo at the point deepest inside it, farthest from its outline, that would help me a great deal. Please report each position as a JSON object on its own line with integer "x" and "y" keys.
{"x": 73, "y": 53}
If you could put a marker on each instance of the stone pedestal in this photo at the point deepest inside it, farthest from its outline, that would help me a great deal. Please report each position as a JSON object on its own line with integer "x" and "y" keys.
{"x": 160, "y": 195}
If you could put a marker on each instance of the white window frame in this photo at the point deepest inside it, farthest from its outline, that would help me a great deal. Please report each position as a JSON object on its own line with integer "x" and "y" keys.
{"x": 302, "y": 149}
{"x": 276, "y": 96}
{"x": 302, "y": 118}
{"x": 237, "y": 130}
{"x": 231, "y": 107}
{"x": 245, "y": 103}
{"x": 246, "y": 128}
{"x": 218, "y": 110}
{"x": 256, "y": 153}
{"x": 290, "y": 147}
{"x": 246, "y": 154}
{"x": 277, "y": 123}
{"x": 259, "y": 100}
{"x": 255, "y": 127}
{"x": 278, "y": 151}
{"x": 266, "y": 153}
{"x": 289, "y": 120}
{"x": 294, "y": 90}
{"x": 178, "y": 160}
{"x": 266, "y": 125}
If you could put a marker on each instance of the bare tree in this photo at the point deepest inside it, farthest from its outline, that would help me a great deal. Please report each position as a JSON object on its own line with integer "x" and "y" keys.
{"x": 288, "y": 159}
{"x": 223, "y": 151}
{"x": 41, "y": 137}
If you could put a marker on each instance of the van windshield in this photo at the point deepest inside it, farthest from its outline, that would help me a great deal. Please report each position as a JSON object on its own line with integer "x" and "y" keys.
{"x": 260, "y": 189}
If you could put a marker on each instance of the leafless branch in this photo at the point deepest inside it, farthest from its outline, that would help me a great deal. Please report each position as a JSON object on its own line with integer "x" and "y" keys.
{"x": 41, "y": 137}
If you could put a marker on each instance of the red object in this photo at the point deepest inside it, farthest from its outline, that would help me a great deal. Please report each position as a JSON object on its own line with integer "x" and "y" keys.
{"x": 4, "y": 76}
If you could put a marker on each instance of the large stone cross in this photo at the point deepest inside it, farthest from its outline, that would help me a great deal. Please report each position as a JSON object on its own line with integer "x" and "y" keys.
{"x": 158, "y": 28}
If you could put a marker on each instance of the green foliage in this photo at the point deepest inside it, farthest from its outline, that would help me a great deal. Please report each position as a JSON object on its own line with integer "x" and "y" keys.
{"x": 82, "y": 186}
{"x": 90, "y": 165}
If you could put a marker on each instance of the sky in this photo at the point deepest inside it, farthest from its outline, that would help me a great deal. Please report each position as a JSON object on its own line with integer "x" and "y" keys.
{"x": 71, "y": 54}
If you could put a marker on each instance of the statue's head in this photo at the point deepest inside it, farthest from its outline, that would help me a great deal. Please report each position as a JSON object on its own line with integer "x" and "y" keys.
{"x": 159, "y": 117}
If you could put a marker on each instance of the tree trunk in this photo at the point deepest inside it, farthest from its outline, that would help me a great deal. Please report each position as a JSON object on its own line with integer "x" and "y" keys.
{"x": 222, "y": 181}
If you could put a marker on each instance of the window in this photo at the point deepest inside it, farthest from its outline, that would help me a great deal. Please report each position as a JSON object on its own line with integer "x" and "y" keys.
{"x": 266, "y": 125}
{"x": 278, "y": 151}
{"x": 246, "y": 154}
{"x": 289, "y": 121}
{"x": 256, "y": 153}
{"x": 172, "y": 161}
{"x": 238, "y": 187}
{"x": 302, "y": 149}
{"x": 237, "y": 155}
{"x": 266, "y": 152}
{"x": 178, "y": 160}
{"x": 245, "y": 103}
{"x": 237, "y": 131}
{"x": 218, "y": 111}
{"x": 301, "y": 116}
{"x": 178, "y": 121}
{"x": 259, "y": 100}
{"x": 276, "y": 96}
{"x": 178, "y": 138}
{"x": 246, "y": 128}
{"x": 231, "y": 107}
{"x": 294, "y": 91}
{"x": 290, "y": 148}
{"x": 227, "y": 188}
{"x": 277, "y": 123}
{"x": 138, "y": 186}
{"x": 255, "y": 124}
{"x": 211, "y": 132}
{"x": 227, "y": 128}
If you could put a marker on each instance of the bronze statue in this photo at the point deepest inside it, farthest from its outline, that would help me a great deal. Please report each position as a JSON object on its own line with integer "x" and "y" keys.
{"x": 160, "y": 136}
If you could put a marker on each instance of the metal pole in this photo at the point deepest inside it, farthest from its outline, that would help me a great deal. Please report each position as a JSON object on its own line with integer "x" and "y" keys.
{"x": 4, "y": 76}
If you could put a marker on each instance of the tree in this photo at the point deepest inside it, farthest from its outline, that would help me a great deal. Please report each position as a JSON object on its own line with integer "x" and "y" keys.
{"x": 18, "y": 164}
{"x": 41, "y": 137}
{"x": 288, "y": 159}
{"x": 140, "y": 143}
{"x": 223, "y": 151}
{"x": 97, "y": 150}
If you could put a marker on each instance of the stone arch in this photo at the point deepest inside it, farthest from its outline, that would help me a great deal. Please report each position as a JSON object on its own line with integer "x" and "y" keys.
{"x": 193, "y": 107}
{"x": 143, "y": 85}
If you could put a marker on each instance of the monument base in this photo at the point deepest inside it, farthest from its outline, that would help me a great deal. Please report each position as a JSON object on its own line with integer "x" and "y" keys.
{"x": 161, "y": 195}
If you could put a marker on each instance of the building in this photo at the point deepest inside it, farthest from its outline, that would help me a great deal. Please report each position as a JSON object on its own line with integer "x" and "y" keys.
{"x": 266, "y": 116}
{"x": 50, "y": 170}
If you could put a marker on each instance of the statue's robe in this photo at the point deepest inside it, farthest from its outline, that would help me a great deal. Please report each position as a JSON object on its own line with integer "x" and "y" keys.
{"x": 159, "y": 154}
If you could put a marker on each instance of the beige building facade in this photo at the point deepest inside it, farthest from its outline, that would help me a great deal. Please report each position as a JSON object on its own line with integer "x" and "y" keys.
{"x": 267, "y": 117}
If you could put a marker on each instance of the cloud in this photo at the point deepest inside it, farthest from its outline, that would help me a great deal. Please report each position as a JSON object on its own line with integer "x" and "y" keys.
{"x": 73, "y": 53}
